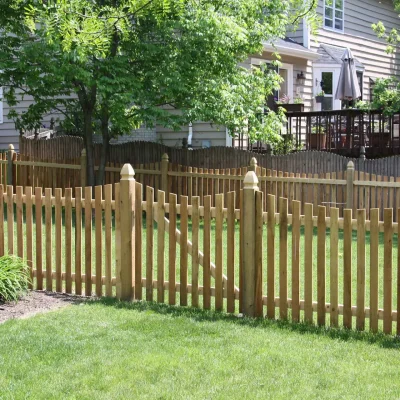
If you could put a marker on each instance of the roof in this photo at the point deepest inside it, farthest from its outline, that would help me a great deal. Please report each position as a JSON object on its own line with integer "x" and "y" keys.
{"x": 333, "y": 55}
{"x": 289, "y": 47}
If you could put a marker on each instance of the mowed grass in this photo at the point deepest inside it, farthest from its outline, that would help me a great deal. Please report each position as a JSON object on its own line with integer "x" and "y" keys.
{"x": 111, "y": 350}
{"x": 95, "y": 246}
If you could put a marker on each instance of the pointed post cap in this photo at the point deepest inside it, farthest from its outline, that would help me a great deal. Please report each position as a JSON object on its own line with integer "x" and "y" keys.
{"x": 11, "y": 147}
{"x": 253, "y": 162}
{"x": 350, "y": 165}
{"x": 165, "y": 157}
{"x": 127, "y": 173}
{"x": 250, "y": 181}
{"x": 83, "y": 152}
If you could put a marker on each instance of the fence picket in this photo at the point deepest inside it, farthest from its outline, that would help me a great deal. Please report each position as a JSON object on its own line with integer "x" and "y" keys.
{"x": 88, "y": 241}
{"x": 108, "y": 237}
{"x": 387, "y": 270}
{"x": 296, "y": 205}
{"x": 283, "y": 249}
{"x": 219, "y": 203}
{"x": 230, "y": 292}
{"x": 39, "y": 247}
{"x": 195, "y": 250}
{"x": 172, "y": 250}
{"x": 58, "y": 227}
{"x": 360, "y": 321}
{"x": 184, "y": 252}
{"x": 160, "y": 245}
{"x": 78, "y": 241}
{"x": 334, "y": 267}
{"x": 258, "y": 254}
{"x": 149, "y": 242}
{"x": 29, "y": 230}
{"x": 10, "y": 219}
{"x": 347, "y": 244}
{"x": 138, "y": 239}
{"x": 271, "y": 257}
{"x": 207, "y": 253}
{"x": 19, "y": 212}
{"x": 308, "y": 262}
{"x": 117, "y": 195}
{"x": 99, "y": 238}
{"x": 48, "y": 224}
{"x": 68, "y": 240}
{"x": 321, "y": 250}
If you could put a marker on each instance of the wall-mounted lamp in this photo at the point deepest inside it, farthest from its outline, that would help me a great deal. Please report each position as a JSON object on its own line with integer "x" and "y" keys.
{"x": 301, "y": 79}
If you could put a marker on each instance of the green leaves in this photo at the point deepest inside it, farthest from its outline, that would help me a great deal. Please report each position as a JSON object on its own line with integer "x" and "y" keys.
{"x": 107, "y": 67}
{"x": 387, "y": 95}
{"x": 14, "y": 278}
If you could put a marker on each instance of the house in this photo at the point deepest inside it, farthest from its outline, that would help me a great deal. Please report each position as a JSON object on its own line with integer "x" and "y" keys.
{"x": 317, "y": 58}
{"x": 345, "y": 24}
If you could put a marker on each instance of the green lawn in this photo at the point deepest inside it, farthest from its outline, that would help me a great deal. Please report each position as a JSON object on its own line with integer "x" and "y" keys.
{"x": 110, "y": 350}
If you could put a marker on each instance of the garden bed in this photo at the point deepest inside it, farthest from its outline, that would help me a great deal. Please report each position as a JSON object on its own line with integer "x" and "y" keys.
{"x": 35, "y": 302}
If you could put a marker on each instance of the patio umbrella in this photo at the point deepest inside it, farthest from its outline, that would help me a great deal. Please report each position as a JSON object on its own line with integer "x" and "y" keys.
{"x": 348, "y": 87}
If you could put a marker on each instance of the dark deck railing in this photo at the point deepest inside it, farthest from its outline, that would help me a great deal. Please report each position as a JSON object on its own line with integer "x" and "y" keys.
{"x": 343, "y": 132}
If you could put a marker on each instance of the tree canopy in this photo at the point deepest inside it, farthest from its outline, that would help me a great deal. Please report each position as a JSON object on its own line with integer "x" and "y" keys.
{"x": 109, "y": 66}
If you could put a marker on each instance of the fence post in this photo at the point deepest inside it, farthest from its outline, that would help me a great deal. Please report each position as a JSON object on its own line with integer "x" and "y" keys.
{"x": 164, "y": 173}
{"x": 127, "y": 228}
{"x": 250, "y": 187}
{"x": 83, "y": 168}
{"x": 350, "y": 185}
{"x": 10, "y": 159}
{"x": 253, "y": 165}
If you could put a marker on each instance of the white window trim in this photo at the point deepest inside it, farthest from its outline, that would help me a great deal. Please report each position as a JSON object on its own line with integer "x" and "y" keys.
{"x": 333, "y": 29}
{"x": 288, "y": 67}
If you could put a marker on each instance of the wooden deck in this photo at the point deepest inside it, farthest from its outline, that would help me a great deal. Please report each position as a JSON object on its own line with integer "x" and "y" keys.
{"x": 343, "y": 132}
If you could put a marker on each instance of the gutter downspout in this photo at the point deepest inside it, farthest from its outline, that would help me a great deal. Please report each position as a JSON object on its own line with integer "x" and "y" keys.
{"x": 190, "y": 135}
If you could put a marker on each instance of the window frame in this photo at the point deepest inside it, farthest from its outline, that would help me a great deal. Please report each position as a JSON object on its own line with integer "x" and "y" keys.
{"x": 334, "y": 17}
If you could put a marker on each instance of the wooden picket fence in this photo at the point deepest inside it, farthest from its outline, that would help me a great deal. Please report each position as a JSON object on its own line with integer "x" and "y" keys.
{"x": 128, "y": 247}
{"x": 343, "y": 189}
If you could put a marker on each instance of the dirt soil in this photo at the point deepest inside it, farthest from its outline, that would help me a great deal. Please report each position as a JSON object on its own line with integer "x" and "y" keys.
{"x": 36, "y": 302}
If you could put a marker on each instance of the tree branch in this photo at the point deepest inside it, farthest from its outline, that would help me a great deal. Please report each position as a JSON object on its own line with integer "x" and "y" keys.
{"x": 304, "y": 14}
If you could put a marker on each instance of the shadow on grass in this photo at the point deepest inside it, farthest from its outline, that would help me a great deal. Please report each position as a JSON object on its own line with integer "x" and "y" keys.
{"x": 379, "y": 339}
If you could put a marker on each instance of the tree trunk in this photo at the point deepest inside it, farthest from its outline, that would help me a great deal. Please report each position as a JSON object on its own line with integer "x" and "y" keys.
{"x": 88, "y": 135}
{"x": 104, "y": 153}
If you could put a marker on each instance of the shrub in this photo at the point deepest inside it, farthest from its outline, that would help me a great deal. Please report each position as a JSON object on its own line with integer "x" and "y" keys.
{"x": 14, "y": 277}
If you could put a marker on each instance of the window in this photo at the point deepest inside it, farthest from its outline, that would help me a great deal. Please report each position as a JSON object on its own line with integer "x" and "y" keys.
{"x": 333, "y": 14}
{"x": 327, "y": 87}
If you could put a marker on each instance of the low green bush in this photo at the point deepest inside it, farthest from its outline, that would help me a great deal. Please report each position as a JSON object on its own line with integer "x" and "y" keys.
{"x": 14, "y": 277}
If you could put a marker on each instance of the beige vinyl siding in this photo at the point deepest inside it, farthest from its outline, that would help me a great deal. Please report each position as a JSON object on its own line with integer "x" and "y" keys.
{"x": 360, "y": 15}
{"x": 297, "y": 34}
{"x": 360, "y": 38}
{"x": 202, "y": 131}
{"x": 8, "y": 133}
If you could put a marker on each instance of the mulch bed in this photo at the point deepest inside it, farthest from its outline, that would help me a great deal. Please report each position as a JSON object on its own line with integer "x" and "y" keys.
{"x": 35, "y": 302}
